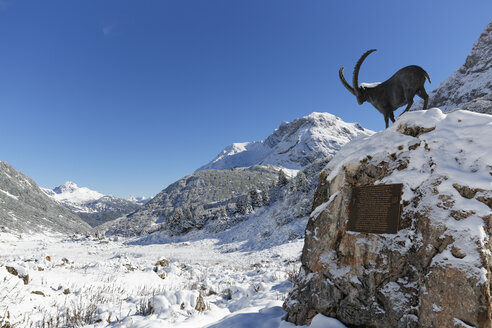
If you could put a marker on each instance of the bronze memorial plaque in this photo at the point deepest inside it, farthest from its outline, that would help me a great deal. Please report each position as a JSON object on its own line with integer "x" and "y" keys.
{"x": 375, "y": 209}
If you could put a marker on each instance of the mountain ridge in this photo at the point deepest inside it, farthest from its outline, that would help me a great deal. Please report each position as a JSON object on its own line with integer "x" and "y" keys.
{"x": 26, "y": 208}
{"x": 92, "y": 206}
{"x": 292, "y": 145}
{"x": 470, "y": 86}
{"x": 227, "y": 190}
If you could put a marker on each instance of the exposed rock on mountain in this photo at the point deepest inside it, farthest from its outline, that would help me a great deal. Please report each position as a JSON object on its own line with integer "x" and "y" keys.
{"x": 222, "y": 195}
{"x": 435, "y": 272}
{"x": 92, "y": 206}
{"x": 24, "y": 207}
{"x": 294, "y": 145}
{"x": 199, "y": 197}
{"x": 257, "y": 220}
{"x": 470, "y": 86}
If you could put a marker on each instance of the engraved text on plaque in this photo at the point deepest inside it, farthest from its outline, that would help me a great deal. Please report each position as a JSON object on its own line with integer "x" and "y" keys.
{"x": 375, "y": 209}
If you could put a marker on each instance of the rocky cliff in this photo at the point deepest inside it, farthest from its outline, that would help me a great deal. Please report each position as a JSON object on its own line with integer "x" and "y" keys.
{"x": 435, "y": 272}
{"x": 24, "y": 207}
{"x": 470, "y": 86}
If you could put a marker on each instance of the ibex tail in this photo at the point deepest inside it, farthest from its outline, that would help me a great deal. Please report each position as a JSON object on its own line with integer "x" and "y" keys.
{"x": 427, "y": 76}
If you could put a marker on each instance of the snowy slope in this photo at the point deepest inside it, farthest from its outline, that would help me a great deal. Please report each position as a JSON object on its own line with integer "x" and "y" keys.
{"x": 293, "y": 145}
{"x": 195, "y": 199}
{"x": 24, "y": 207}
{"x": 470, "y": 86}
{"x": 92, "y": 206}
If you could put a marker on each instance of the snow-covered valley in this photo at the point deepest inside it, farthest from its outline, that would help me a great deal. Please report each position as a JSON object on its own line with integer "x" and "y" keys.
{"x": 228, "y": 259}
{"x": 100, "y": 282}
{"x": 258, "y": 237}
{"x": 254, "y": 271}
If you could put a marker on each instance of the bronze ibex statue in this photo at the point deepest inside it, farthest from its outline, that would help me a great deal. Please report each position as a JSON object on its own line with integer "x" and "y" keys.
{"x": 391, "y": 94}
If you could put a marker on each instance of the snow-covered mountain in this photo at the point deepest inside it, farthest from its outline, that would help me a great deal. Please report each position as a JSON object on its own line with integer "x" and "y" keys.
{"x": 197, "y": 198}
{"x": 24, "y": 207}
{"x": 73, "y": 196}
{"x": 246, "y": 177}
{"x": 138, "y": 200}
{"x": 294, "y": 145}
{"x": 92, "y": 206}
{"x": 470, "y": 86}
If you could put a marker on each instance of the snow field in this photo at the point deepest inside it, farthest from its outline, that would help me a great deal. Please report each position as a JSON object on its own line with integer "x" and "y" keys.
{"x": 101, "y": 282}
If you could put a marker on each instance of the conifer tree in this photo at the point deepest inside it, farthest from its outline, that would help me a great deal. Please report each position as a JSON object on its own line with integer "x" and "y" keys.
{"x": 282, "y": 179}
{"x": 256, "y": 198}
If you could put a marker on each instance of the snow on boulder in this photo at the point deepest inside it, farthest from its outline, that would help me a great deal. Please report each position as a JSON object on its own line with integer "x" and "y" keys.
{"x": 435, "y": 272}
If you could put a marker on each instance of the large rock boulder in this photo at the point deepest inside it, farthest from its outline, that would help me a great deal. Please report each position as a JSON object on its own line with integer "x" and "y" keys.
{"x": 435, "y": 272}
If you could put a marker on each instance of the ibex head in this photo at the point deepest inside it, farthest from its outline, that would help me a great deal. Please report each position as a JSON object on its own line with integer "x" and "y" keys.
{"x": 358, "y": 92}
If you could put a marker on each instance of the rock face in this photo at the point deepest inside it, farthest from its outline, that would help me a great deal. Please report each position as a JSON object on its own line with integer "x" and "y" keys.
{"x": 435, "y": 272}
{"x": 25, "y": 207}
{"x": 470, "y": 86}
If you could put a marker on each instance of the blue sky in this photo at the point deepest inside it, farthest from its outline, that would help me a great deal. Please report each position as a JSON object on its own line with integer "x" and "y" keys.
{"x": 125, "y": 97}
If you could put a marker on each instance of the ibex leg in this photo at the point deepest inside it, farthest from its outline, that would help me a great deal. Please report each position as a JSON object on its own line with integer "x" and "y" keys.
{"x": 410, "y": 103}
{"x": 422, "y": 94}
{"x": 392, "y": 117}
{"x": 386, "y": 120}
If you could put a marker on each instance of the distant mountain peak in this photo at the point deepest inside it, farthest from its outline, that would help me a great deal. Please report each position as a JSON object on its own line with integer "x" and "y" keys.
{"x": 246, "y": 176}
{"x": 92, "y": 206}
{"x": 68, "y": 186}
{"x": 293, "y": 145}
{"x": 319, "y": 116}
{"x": 137, "y": 200}
{"x": 72, "y": 193}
